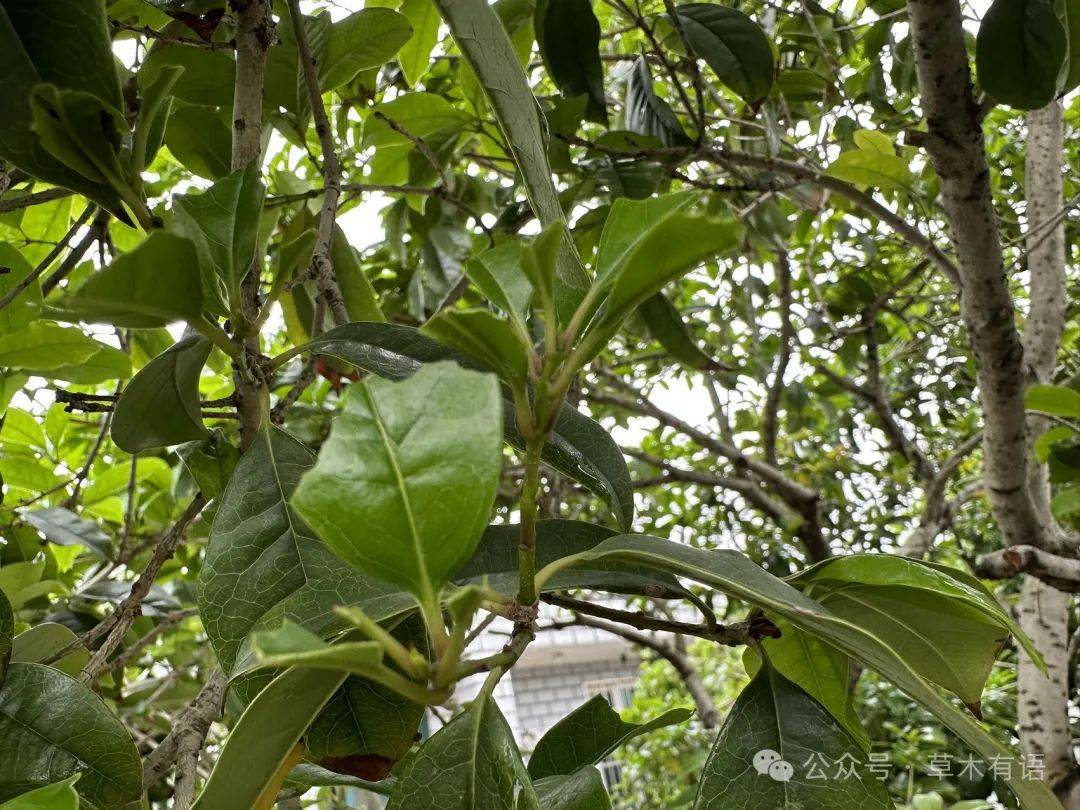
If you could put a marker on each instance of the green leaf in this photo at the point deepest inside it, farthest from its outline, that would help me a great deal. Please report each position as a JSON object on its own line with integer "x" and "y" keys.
{"x": 582, "y": 790}
{"x": 1057, "y": 400}
{"x": 208, "y": 77}
{"x": 45, "y": 345}
{"x": 65, "y": 528}
{"x": 498, "y": 274}
{"x": 264, "y": 564}
{"x": 57, "y": 796}
{"x": 160, "y": 407}
{"x": 872, "y": 163}
{"x": 483, "y": 40}
{"x": 668, "y": 328}
{"x": 210, "y": 462}
{"x": 292, "y": 645}
{"x": 50, "y": 719}
{"x": 24, "y": 307}
{"x": 104, "y": 364}
{"x": 539, "y": 260}
{"x": 389, "y": 350}
{"x": 647, "y": 243}
{"x": 81, "y": 131}
{"x": 1019, "y": 52}
{"x": 735, "y": 575}
{"x": 588, "y": 734}
{"x": 646, "y": 113}
{"x": 361, "y": 302}
{"x": 223, "y": 224}
{"x": 486, "y": 338}
{"x": 7, "y": 633}
{"x": 42, "y": 641}
{"x": 823, "y": 672}
{"x": 200, "y": 139}
{"x": 1071, "y": 63}
{"x": 772, "y": 738}
{"x": 405, "y": 483}
{"x": 496, "y": 559}
{"x": 732, "y": 45}
{"x": 154, "y": 285}
{"x": 424, "y": 115}
{"x": 931, "y": 578}
{"x": 65, "y": 43}
{"x": 568, "y": 34}
{"x": 264, "y": 737}
{"x": 366, "y": 39}
{"x": 415, "y": 54}
{"x": 471, "y": 763}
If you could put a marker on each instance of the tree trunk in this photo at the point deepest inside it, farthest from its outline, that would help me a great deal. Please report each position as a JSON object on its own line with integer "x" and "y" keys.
{"x": 1043, "y": 611}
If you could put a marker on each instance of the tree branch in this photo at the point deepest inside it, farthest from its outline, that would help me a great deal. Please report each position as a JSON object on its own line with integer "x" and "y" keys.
{"x": 1061, "y": 572}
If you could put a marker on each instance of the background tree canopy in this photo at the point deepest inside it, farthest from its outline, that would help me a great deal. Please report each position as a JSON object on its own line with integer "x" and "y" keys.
{"x": 331, "y": 332}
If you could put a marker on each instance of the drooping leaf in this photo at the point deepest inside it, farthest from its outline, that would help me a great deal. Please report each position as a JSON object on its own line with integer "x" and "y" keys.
{"x": 734, "y": 574}
{"x": 57, "y": 796}
{"x": 648, "y": 114}
{"x": 160, "y": 407}
{"x": 65, "y": 528}
{"x": 588, "y": 734}
{"x": 361, "y": 302}
{"x": 24, "y": 307}
{"x": 208, "y": 78}
{"x": 107, "y": 363}
{"x": 1019, "y": 52}
{"x": 365, "y": 39}
{"x": 200, "y": 139}
{"x": 471, "y": 763}
{"x": 772, "y": 738}
{"x": 155, "y": 284}
{"x": 404, "y": 485}
{"x": 52, "y": 727}
{"x": 223, "y": 224}
{"x": 667, "y": 327}
{"x": 415, "y": 54}
{"x": 211, "y": 462}
{"x": 264, "y": 564}
{"x": 265, "y": 737}
{"x": 65, "y": 43}
{"x": 732, "y": 45}
{"x": 568, "y": 34}
{"x": 389, "y": 350}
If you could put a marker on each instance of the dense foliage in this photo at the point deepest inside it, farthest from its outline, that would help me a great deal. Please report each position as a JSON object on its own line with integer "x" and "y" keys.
{"x": 330, "y": 334}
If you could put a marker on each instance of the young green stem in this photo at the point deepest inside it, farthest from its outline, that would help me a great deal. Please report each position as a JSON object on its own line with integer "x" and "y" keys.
{"x": 530, "y": 489}
{"x": 218, "y": 336}
{"x": 376, "y": 632}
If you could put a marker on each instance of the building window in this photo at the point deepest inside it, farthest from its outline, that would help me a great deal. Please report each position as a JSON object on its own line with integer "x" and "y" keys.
{"x": 619, "y": 692}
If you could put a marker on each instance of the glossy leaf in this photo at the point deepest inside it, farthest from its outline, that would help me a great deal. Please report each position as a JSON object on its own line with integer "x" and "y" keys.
{"x": 223, "y": 224}
{"x": 264, "y": 564}
{"x": 57, "y": 796}
{"x": 581, "y": 790}
{"x": 52, "y": 727}
{"x": 404, "y": 485}
{"x": 65, "y": 528}
{"x": 389, "y": 350}
{"x": 772, "y": 738}
{"x": 646, "y": 113}
{"x": 36, "y": 47}
{"x": 496, "y": 559}
{"x": 154, "y": 285}
{"x": 734, "y": 574}
{"x": 471, "y": 763}
{"x": 732, "y": 45}
{"x": 41, "y": 642}
{"x": 160, "y": 407}
{"x": 568, "y": 34}
{"x": 497, "y": 274}
{"x": 588, "y": 734}
{"x": 484, "y": 337}
{"x": 264, "y": 738}
{"x": 1019, "y": 52}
